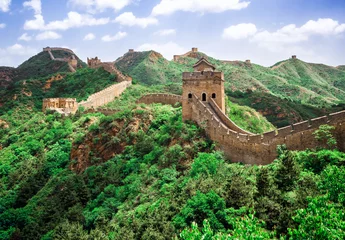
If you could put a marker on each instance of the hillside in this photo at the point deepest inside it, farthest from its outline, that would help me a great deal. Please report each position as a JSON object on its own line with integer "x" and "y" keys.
{"x": 37, "y": 66}
{"x": 341, "y": 67}
{"x": 288, "y": 92}
{"x": 151, "y": 68}
{"x": 79, "y": 85}
{"x": 311, "y": 84}
{"x": 145, "y": 174}
{"x": 6, "y": 76}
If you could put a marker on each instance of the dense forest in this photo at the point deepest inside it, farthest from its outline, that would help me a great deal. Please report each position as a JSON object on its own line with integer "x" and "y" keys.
{"x": 143, "y": 173}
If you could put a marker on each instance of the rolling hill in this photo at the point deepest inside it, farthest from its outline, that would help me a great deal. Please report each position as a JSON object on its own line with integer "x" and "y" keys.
{"x": 290, "y": 91}
{"x": 37, "y": 66}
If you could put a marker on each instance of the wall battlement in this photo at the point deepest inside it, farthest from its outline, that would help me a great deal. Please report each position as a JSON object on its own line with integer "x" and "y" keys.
{"x": 106, "y": 95}
{"x": 49, "y": 49}
{"x": 72, "y": 61}
{"x": 109, "y": 67}
{"x": 202, "y": 75}
{"x": 161, "y": 98}
{"x": 192, "y": 53}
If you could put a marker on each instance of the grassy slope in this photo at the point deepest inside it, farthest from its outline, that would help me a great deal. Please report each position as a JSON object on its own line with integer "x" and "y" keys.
{"x": 288, "y": 92}
{"x": 78, "y": 85}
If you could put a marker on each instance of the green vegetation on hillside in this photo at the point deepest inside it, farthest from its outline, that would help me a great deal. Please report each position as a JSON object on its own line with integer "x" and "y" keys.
{"x": 248, "y": 119}
{"x": 78, "y": 85}
{"x": 143, "y": 173}
{"x": 163, "y": 179}
{"x": 289, "y": 92}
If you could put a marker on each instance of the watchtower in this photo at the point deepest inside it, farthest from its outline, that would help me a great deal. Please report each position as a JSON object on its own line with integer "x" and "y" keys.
{"x": 205, "y": 83}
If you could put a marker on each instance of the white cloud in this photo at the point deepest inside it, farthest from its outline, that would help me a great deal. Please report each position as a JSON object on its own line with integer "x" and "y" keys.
{"x": 25, "y": 37}
{"x": 166, "y": 32}
{"x": 12, "y": 55}
{"x": 166, "y": 7}
{"x": 35, "y": 5}
{"x": 89, "y": 37}
{"x": 5, "y": 5}
{"x": 290, "y": 34}
{"x": 117, "y": 36}
{"x": 168, "y": 50}
{"x": 93, "y": 6}
{"x": 19, "y": 50}
{"x": 128, "y": 19}
{"x": 73, "y": 20}
{"x": 2, "y": 25}
{"x": 240, "y": 31}
{"x": 35, "y": 24}
{"x": 48, "y": 35}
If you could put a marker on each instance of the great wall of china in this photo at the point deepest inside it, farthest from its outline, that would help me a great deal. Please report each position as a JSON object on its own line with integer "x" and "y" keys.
{"x": 95, "y": 100}
{"x": 72, "y": 61}
{"x": 238, "y": 144}
{"x": 241, "y": 146}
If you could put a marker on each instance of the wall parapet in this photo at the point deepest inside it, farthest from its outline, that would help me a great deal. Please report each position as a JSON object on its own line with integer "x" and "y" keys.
{"x": 49, "y": 49}
{"x": 162, "y": 98}
{"x": 261, "y": 149}
{"x": 106, "y": 95}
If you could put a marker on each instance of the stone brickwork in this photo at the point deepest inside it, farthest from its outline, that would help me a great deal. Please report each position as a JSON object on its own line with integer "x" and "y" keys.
{"x": 72, "y": 61}
{"x": 105, "y": 96}
{"x": 49, "y": 49}
{"x": 205, "y": 83}
{"x": 64, "y": 106}
{"x": 161, "y": 98}
{"x": 109, "y": 67}
{"x": 193, "y": 54}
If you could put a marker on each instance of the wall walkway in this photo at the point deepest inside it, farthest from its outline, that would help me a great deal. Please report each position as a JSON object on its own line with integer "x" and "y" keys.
{"x": 71, "y": 68}
{"x": 161, "y": 98}
{"x": 106, "y": 95}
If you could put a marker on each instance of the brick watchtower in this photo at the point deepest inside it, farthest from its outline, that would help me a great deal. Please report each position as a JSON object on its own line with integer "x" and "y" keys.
{"x": 205, "y": 83}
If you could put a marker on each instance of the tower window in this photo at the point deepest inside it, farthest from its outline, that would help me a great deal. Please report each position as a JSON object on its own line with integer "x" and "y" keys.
{"x": 213, "y": 95}
{"x": 190, "y": 95}
{"x": 203, "y": 97}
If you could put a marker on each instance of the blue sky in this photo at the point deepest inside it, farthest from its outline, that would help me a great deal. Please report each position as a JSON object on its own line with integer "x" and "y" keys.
{"x": 265, "y": 31}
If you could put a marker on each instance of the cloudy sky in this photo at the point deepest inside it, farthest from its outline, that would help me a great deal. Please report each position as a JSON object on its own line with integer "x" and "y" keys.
{"x": 265, "y": 31}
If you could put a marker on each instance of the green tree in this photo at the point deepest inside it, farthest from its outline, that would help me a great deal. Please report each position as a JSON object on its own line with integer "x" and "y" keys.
{"x": 324, "y": 135}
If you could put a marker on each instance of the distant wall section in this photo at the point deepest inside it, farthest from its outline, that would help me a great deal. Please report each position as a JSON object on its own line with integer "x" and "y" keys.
{"x": 105, "y": 96}
{"x": 161, "y": 98}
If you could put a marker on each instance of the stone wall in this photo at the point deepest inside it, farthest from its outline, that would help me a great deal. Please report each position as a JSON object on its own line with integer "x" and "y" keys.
{"x": 109, "y": 67}
{"x": 49, "y": 49}
{"x": 241, "y": 146}
{"x": 161, "y": 98}
{"x": 106, "y": 95}
{"x": 72, "y": 62}
{"x": 261, "y": 149}
{"x": 193, "y": 54}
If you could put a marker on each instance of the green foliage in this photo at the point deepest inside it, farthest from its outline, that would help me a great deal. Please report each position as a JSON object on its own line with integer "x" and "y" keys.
{"x": 206, "y": 164}
{"x": 143, "y": 173}
{"x": 320, "y": 220}
{"x": 203, "y": 206}
{"x": 248, "y": 119}
{"x": 333, "y": 183}
{"x": 206, "y": 233}
{"x": 325, "y": 136}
